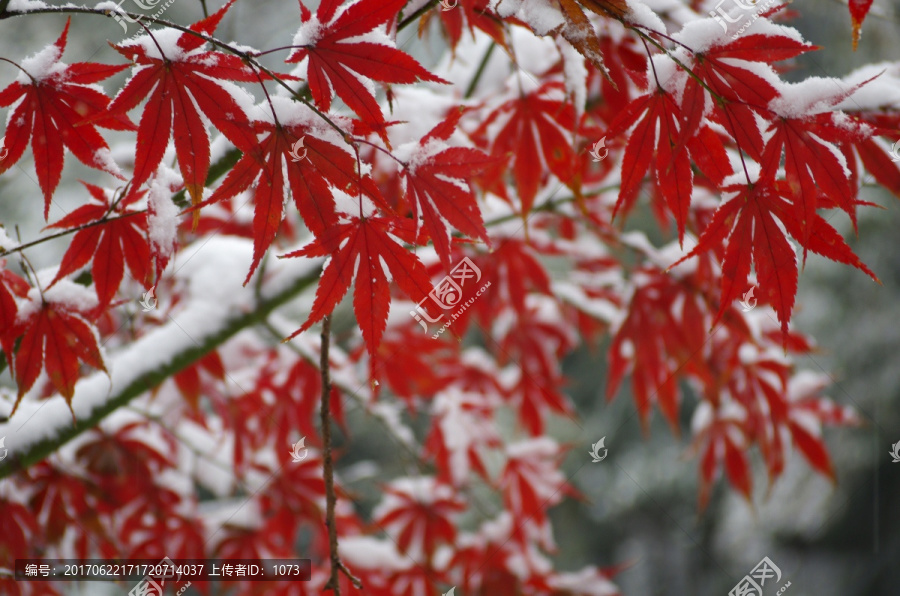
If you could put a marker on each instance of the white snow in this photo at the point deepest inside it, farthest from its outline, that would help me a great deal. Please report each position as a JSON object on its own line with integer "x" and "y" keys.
{"x": 810, "y": 96}
{"x": 366, "y": 552}
{"x": 640, "y": 14}
{"x": 162, "y": 215}
{"x": 214, "y": 299}
{"x": 309, "y": 32}
{"x": 164, "y": 39}
{"x": 541, "y": 15}
{"x": 6, "y": 243}
{"x": 25, "y": 5}
{"x": 575, "y": 75}
{"x": 42, "y": 65}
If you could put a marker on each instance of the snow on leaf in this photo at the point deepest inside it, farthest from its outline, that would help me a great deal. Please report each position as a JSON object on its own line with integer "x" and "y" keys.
{"x": 110, "y": 245}
{"x": 436, "y": 180}
{"x": 339, "y": 64}
{"x": 55, "y": 337}
{"x": 177, "y": 83}
{"x": 59, "y": 108}
{"x": 420, "y": 513}
{"x": 533, "y": 136}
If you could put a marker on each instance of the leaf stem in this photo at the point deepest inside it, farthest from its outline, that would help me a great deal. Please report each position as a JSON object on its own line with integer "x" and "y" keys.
{"x": 487, "y": 56}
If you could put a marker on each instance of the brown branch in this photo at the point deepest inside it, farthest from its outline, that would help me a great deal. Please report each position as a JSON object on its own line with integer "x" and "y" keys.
{"x": 328, "y": 467}
{"x": 66, "y": 232}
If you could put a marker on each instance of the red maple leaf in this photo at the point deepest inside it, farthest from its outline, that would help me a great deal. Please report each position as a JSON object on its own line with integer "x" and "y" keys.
{"x": 750, "y": 220}
{"x": 366, "y": 251}
{"x": 436, "y": 179}
{"x": 190, "y": 383}
{"x": 420, "y": 512}
{"x": 339, "y": 65}
{"x": 724, "y": 440}
{"x": 661, "y": 332}
{"x": 55, "y": 337}
{"x": 858, "y": 11}
{"x": 11, "y": 287}
{"x": 59, "y": 107}
{"x": 672, "y": 167}
{"x": 314, "y": 165}
{"x": 471, "y": 13}
{"x": 531, "y": 481}
{"x": 177, "y": 80}
{"x": 110, "y": 244}
{"x": 533, "y": 135}
{"x": 813, "y": 166}
{"x": 743, "y": 89}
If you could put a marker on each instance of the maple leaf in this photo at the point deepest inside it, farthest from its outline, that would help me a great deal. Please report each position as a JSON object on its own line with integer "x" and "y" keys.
{"x": 299, "y": 488}
{"x": 812, "y": 164}
{"x": 59, "y": 498}
{"x": 858, "y": 11}
{"x": 110, "y": 244}
{"x": 579, "y": 31}
{"x": 419, "y": 512}
{"x": 366, "y": 251}
{"x": 58, "y": 106}
{"x": 720, "y": 438}
{"x": 531, "y": 482}
{"x": 436, "y": 180}
{"x": 672, "y": 168}
{"x": 532, "y": 134}
{"x": 19, "y": 527}
{"x": 461, "y": 435}
{"x": 474, "y": 13}
{"x": 536, "y": 344}
{"x": 11, "y": 287}
{"x": 189, "y": 382}
{"x": 340, "y": 65}
{"x": 122, "y": 464}
{"x": 751, "y": 221}
{"x": 309, "y": 180}
{"x": 660, "y": 334}
{"x": 177, "y": 81}
{"x": 55, "y": 337}
{"x": 743, "y": 89}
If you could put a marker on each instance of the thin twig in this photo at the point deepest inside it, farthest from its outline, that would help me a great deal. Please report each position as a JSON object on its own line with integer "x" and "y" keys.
{"x": 328, "y": 468}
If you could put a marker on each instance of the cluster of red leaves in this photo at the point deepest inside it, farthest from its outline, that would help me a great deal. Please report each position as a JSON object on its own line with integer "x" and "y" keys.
{"x": 696, "y": 135}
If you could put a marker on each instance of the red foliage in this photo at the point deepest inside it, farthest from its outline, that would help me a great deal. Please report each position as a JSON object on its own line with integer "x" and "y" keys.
{"x": 529, "y": 178}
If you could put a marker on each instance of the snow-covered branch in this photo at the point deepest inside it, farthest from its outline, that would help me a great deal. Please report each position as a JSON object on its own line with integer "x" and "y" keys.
{"x": 218, "y": 308}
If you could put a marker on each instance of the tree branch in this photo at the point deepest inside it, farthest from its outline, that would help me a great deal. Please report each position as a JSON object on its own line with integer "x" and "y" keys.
{"x": 145, "y": 364}
{"x": 328, "y": 467}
